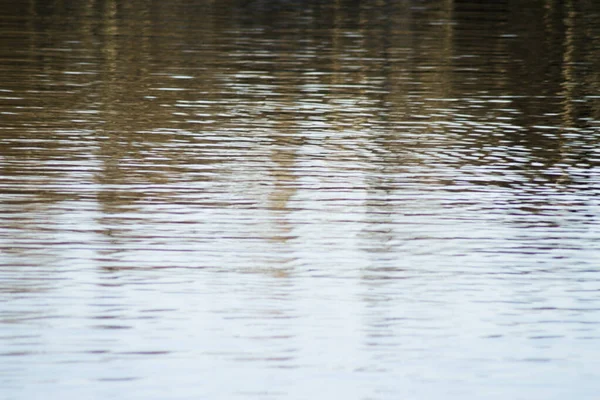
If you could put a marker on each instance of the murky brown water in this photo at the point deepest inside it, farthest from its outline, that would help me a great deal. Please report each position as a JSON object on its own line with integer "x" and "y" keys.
{"x": 271, "y": 199}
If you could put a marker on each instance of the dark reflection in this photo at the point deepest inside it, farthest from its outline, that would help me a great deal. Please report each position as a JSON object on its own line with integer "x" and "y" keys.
{"x": 127, "y": 105}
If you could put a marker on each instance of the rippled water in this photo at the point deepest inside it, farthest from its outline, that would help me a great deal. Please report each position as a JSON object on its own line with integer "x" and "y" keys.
{"x": 273, "y": 199}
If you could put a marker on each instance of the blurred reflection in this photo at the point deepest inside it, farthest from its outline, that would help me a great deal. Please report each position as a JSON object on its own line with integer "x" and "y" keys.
{"x": 341, "y": 187}
{"x": 212, "y": 107}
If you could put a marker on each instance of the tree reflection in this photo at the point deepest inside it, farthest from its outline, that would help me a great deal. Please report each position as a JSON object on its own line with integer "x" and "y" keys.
{"x": 148, "y": 98}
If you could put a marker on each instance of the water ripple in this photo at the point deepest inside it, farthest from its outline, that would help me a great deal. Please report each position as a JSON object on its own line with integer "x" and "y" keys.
{"x": 268, "y": 199}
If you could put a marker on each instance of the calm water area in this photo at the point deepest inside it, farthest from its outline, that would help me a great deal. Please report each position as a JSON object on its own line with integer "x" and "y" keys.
{"x": 309, "y": 199}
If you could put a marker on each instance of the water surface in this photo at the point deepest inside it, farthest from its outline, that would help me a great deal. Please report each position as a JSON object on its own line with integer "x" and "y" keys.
{"x": 312, "y": 199}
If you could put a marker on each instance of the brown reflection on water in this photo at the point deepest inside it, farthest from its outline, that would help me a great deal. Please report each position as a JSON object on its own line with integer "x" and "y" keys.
{"x": 135, "y": 94}
{"x": 125, "y": 99}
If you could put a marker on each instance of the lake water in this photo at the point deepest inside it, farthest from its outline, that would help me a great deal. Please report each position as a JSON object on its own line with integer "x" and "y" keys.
{"x": 319, "y": 199}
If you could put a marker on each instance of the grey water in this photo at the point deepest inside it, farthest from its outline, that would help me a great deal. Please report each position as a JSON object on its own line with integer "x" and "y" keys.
{"x": 318, "y": 199}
